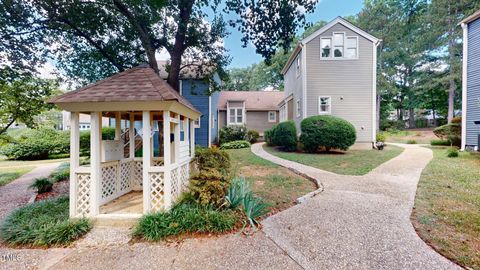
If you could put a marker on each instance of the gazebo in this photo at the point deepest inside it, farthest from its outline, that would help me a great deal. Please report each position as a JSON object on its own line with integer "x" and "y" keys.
{"x": 116, "y": 179}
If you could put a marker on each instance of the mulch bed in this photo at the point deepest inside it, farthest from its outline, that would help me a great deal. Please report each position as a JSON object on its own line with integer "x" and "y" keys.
{"x": 59, "y": 189}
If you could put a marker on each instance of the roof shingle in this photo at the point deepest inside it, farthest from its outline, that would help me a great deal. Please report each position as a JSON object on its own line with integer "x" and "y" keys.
{"x": 140, "y": 83}
{"x": 254, "y": 100}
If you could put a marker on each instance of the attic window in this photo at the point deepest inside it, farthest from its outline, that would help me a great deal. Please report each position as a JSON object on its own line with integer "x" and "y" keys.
{"x": 326, "y": 44}
{"x": 339, "y": 46}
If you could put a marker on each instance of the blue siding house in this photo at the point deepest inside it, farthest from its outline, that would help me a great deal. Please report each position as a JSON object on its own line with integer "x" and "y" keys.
{"x": 471, "y": 83}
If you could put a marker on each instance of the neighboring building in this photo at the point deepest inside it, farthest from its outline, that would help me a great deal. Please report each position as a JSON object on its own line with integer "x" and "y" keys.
{"x": 333, "y": 71}
{"x": 84, "y": 121}
{"x": 198, "y": 91}
{"x": 471, "y": 83}
{"x": 257, "y": 110}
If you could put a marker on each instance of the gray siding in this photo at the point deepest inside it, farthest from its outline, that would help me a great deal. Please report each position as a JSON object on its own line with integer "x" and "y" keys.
{"x": 348, "y": 82}
{"x": 293, "y": 85}
{"x": 473, "y": 84}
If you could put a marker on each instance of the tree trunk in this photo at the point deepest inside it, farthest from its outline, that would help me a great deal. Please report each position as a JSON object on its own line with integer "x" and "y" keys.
{"x": 411, "y": 118}
{"x": 5, "y": 128}
{"x": 176, "y": 53}
{"x": 451, "y": 58}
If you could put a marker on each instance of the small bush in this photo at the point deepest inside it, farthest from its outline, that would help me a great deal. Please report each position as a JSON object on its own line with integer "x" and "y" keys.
{"x": 237, "y": 190}
{"x": 252, "y": 136}
{"x": 185, "y": 218}
{"x": 452, "y": 152}
{"x": 439, "y": 143}
{"x": 411, "y": 141}
{"x": 232, "y": 133}
{"x": 208, "y": 187}
{"x": 327, "y": 131}
{"x": 285, "y": 136}
{"x": 44, "y": 223}
{"x": 381, "y": 137}
{"x": 108, "y": 133}
{"x": 254, "y": 207}
{"x": 450, "y": 132}
{"x": 212, "y": 158}
{"x": 42, "y": 185}
{"x": 62, "y": 173}
{"x": 235, "y": 145}
{"x": 269, "y": 135}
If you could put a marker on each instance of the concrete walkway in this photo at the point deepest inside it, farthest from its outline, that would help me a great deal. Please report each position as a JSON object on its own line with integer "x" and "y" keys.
{"x": 17, "y": 192}
{"x": 357, "y": 222}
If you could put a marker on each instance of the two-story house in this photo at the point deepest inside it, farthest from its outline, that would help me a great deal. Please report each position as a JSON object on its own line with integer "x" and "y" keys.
{"x": 333, "y": 71}
{"x": 471, "y": 83}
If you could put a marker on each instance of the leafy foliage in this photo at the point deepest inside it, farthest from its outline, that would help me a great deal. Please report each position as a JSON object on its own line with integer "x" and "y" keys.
{"x": 235, "y": 145}
{"x": 232, "y": 133}
{"x": 185, "y": 218}
{"x": 327, "y": 131}
{"x": 44, "y": 223}
{"x": 452, "y": 152}
{"x": 451, "y": 132}
{"x": 62, "y": 173}
{"x": 252, "y": 136}
{"x": 285, "y": 136}
{"x": 440, "y": 143}
{"x": 380, "y": 137}
{"x": 254, "y": 207}
{"x": 269, "y": 135}
{"x": 212, "y": 158}
{"x": 37, "y": 144}
{"x": 42, "y": 185}
{"x": 208, "y": 187}
{"x": 237, "y": 190}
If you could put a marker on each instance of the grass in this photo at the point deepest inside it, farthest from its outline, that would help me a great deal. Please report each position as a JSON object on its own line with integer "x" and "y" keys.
{"x": 7, "y": 175}
{"x": 447, "y": 206}
{"x": 185, "y": 218}
{"x": 19, "y": 163}
{"x": 421, "y": 136}
{"x": 278, "y": 186}
{"x": 44, "y": 223}
{"x": 351, "y": 162}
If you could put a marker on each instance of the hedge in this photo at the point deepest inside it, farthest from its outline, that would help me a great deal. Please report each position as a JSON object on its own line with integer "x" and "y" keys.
{"x": 285, "y": 136}
{"x": 327, "y": 131}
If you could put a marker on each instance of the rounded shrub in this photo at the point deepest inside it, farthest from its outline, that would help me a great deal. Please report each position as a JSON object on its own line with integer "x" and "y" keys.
{"x": 235, "y": 145}
{"x": 232, "y": 133}
{"x": 285, "y": 136}
{"x": 268, "y": 135}
{"x": 452, "y": 152}
{"x": 252, "y": 136}
{"x": 327, "y": 131}
{"x": 381, "y": 137}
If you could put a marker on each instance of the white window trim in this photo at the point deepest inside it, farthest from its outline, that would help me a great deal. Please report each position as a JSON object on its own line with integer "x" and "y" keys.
{"x": 274, "y": 118}
{"x": 297, "y": 105}
{"x": 332, "y": 53}
{"x": 329, "y": 105}
{"x": 196, "y": 123}
{"x": 236, "y": 116}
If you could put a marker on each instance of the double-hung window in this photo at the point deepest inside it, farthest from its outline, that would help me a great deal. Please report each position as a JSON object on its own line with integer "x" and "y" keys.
{"x": 235, "y": 116}
{"x": 339, "y": 46}
{"x": 324, "y": 105}
{"x": 272, "y": 116}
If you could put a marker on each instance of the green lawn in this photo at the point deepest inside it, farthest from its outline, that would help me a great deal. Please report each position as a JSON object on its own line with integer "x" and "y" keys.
{"x": 447, "y": 207}
{"x": 7, "y": 175}
{"x": 351, "y": 162}
{"x": 4, "y": 163}
{"x": 277, "y": 185}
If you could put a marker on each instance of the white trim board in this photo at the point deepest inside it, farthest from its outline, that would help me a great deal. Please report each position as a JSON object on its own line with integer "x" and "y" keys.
{"x": 464, "y": 85}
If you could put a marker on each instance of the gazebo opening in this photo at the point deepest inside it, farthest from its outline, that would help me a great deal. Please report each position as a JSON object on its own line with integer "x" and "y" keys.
{"x": 147, "y": 165}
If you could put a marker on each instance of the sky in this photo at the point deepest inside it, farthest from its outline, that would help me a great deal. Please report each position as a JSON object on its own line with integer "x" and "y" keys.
{"x": 326, "y": 10}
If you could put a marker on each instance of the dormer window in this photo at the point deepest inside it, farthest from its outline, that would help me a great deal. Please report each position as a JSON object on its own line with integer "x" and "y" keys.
{"x": 339, "y": 46}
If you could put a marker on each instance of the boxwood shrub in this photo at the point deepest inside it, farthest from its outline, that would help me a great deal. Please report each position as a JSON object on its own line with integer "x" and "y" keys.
{"x": 327, "y": 131}
{"x": 268, "y": 135}
{"x": 285, "y": 136}
{"x": 232, "y": 133}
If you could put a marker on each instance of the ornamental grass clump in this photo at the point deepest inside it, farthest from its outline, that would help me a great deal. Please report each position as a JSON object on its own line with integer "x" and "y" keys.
{"x": 42, "y": 185}
{"x": 44, "y": 223}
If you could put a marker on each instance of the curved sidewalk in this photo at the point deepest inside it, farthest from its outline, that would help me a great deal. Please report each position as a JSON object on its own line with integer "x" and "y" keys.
{"x": 357, "y": 222}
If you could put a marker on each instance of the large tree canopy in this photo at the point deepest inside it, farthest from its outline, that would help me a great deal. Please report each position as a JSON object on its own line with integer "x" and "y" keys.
{"x": 89, "y": 40}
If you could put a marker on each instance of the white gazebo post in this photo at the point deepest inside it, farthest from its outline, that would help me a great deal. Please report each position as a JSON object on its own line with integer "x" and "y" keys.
{"x": 118, "y": 127}
{"x": 131, "y": 135}
{"x": 74, "y": 160}
{"x": 147, "y": 159}
{"x": 95, "y": 162}
{"x": 176, "y": 136}
{"x": 192, "y": 138}
{"x": 167, "y": 160}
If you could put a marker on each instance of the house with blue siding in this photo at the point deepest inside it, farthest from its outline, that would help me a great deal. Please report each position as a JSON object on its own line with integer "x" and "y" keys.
{"x": 471, "y": 83}
{"x": 197, "y": 91}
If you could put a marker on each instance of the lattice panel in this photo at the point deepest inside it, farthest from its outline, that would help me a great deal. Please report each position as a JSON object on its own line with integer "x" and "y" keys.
{"x": 109, "y": 179}
{"x": 83, "y": 182}
{"x": 175, "y": 181}
{"x": 184, "y": 176}
{"x": 137, "y": 180}
{"x": 157, "y": 162}
{"x": 157, "y": 192}
{"x": 125, "y": 174}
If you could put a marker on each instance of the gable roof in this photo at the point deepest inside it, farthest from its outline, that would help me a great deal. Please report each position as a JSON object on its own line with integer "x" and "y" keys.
{"x": 140, "y": 83}
{"x": 254, "y": 100}
{"x": 471, "y": 18}
{"x": 338, "y": 20}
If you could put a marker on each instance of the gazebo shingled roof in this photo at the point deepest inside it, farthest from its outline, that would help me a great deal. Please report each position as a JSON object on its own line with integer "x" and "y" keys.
{"x": 140, "y": 83}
